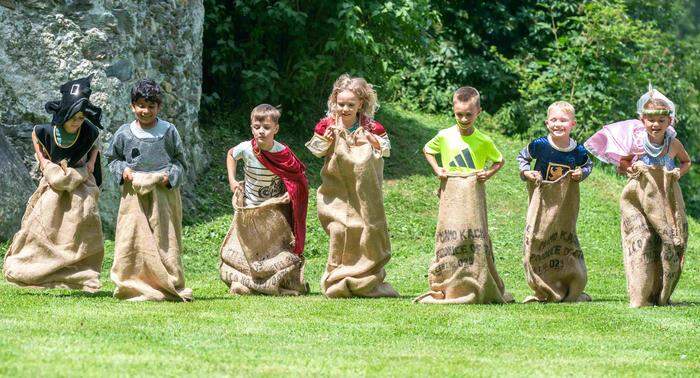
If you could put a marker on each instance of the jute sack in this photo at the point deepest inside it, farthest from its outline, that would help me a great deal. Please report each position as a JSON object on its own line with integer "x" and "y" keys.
{"x": 256, "y": 255}
{"x": 148, "y": 242}
{"x": 654, "y": 235}
{"x": 351, "y": 210}
{"x": 554, "y": 265}
{"x": 463, "y": 269}
{"x": 60, "y": 242}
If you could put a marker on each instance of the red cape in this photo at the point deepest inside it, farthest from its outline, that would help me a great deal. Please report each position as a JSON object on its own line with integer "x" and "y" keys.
{"x": 292, "y": 171}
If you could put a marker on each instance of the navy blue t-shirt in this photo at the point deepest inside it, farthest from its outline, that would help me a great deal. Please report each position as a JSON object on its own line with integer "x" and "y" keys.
{"x": 553, "y": 163}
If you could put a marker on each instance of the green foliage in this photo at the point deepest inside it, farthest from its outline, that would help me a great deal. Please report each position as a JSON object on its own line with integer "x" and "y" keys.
{"x": 290, "y": 52}
{"x": 521, "y": 55}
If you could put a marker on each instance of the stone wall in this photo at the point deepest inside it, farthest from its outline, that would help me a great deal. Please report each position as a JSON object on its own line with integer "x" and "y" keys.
{"x": 44, "y": 43}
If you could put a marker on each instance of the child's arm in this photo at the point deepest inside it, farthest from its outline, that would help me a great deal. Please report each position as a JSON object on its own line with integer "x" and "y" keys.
{"x": 116, "y": 160}
{"x": 682, "y": 156}
{"x": 322, "y": 139}
{"x": 177, "y": 162}
{"x": 39, "y": 150}
{"x": 231, "y": 168}
{"x": 524, "y": 159}
{"x": 379, "y": 139}
{"x": 582, "y": 172}
{"x": 485, "y": 175}
{"x": 93, "y": 157}
{"x": 439, "y": 172}
{"x": 626, "y": 164}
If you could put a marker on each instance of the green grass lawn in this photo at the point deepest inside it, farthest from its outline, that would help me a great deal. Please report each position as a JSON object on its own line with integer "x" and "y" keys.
{"x": 58, "y": 332}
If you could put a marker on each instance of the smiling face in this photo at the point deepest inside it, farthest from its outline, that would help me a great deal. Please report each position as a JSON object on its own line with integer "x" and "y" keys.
{"x": 74, "y": 123}
{"x": 146, "y": 112}
{"x": 264, "y": 131}
{"x": 559, "y": 123}
{"x": 466, "y": 113}
{"x": 348, "y": 106}
{"x": 656, "y": 124}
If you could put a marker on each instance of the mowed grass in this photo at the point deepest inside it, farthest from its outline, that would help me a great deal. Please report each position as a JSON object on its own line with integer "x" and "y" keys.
{"x": 60, "y": 333}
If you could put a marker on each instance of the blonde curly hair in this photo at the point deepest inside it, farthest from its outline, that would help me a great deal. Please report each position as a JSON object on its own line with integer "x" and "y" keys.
{"x": 361, "y": 88}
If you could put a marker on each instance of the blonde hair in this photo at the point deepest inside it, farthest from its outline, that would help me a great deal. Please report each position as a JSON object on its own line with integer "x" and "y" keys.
{"x": 563, "y": 106}
{"x": 361, "y": 88}
{"x": 466, "y": 94}
{"x": 264, "y": 111}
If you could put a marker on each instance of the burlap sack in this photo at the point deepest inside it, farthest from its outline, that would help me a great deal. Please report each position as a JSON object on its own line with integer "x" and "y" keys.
{"x": 351, "y": 210}
{"x": 148, "y": 242}
{"x": 554, "y": 265}
{"x": 256, "y": 255}
{"x": 654, "y": 235}
{"x": 60, "y": 242}
{"x": 463, "y": 269}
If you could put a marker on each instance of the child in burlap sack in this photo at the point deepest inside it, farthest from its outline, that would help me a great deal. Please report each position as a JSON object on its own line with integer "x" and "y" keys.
{"x": 147, "y": 159}
{"x": 263, "y": 250}
{"x": 350, "y": 199}
{"x": 554, "y": 264}
{"x": 463, "y": 269}
{"x": 653, "y": 220}
{"x": 60, "y": 240}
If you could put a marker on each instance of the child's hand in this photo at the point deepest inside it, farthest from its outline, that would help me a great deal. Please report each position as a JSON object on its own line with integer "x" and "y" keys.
{"x": 577, "y": 174}
{"x": 235, "y": 187}
{"x": 166, "y": 180}
{"x": 127, "y": 175}
{"x": 90, "y": 166}
{"x": 483, "y": 175}
{"x": 533, "y": 176}
{"x": 634, "y": 168}
{"x": 676, "y": 172}
{"x": 328, "y": 134}
{"x": 441, "y": 173}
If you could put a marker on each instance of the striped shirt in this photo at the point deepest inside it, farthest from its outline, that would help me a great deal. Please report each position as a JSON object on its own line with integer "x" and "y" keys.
{"x": 260, "y": 183}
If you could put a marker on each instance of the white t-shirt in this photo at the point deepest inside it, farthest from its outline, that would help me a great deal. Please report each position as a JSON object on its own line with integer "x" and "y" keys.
{"x": 260, "y": 183}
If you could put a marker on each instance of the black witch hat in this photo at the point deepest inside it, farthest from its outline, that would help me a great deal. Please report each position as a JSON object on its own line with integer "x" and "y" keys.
{"x": 75, "y": 97}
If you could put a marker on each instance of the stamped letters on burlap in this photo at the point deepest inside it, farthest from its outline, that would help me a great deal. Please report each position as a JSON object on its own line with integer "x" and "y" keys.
{"x": 555, "y": 268}
{"x": 654, "y": 235}
{"x": 463, "y": 270}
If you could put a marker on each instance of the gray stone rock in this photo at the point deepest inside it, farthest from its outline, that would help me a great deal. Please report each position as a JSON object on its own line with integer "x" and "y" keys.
{"x": 45, "y": 43}
{"x": 16, "y": 188}
{"x": 121, "y": 69}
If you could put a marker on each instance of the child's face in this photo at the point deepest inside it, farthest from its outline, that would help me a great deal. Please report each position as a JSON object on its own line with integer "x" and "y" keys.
{"x": 74, "y": 123}
{"x": 146, "y": 112}
{"x": 559, "y": 123}
{"x": 656, "y": 125}
{"x": 264, "y": 131}
{"x": 348, "y": 104}
{"x": 465, "y": 113}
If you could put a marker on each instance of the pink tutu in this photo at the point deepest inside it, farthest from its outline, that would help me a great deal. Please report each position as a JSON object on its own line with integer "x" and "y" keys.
{"x": 619, "y": 139}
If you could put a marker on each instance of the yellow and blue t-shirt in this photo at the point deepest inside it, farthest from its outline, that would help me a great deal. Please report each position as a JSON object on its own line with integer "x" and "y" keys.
{"x": 463, "y": 154}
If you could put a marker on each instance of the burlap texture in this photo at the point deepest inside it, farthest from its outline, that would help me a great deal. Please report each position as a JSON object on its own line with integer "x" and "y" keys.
{"x": 148, "y": 242}
{"x": 60, "y": 243}
{"x": 256, "y": 255}
{"x": 654, "y": 235}
{"x": 351, "y": 210}
{"x": 555, "y": 268}
{"x": 463, "y": 270}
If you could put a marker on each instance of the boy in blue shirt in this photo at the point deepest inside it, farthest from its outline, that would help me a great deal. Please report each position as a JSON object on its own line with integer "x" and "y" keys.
{"x": 556, "y": 154}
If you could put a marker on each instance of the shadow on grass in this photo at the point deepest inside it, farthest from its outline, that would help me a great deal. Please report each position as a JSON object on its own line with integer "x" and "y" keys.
{"x": 72, "y": 294}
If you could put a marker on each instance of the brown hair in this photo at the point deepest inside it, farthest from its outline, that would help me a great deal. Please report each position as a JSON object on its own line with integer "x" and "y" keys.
{"x": 264, "y": 111}
{"x": 466, "y": 94}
